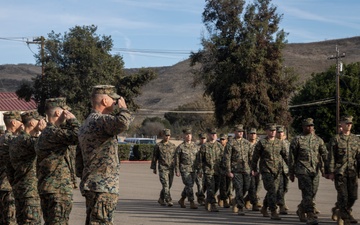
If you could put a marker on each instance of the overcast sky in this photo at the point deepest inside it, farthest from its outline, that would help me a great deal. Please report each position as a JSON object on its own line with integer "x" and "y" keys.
{"x": 157, "y": 32}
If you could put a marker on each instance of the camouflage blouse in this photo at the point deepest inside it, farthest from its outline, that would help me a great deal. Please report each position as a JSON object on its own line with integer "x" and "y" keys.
{"x": 164, "y": 155}
{"x": 185, "y": 157}
{"x": 23, "y": 160}
{"x": 6, "y": 170}
{"x": 51, "y": 150}
{"x": 271, "y": 153}
{"x": 99, "y": 150}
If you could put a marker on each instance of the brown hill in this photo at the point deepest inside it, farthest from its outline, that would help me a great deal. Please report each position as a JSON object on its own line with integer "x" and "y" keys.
{"x": 173, "y": 87}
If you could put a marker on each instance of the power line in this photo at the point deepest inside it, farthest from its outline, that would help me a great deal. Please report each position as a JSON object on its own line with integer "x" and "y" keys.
{"x": 319, "y": 102}
{"x": 153, "y": 51}
{"x": 18, "y": 39}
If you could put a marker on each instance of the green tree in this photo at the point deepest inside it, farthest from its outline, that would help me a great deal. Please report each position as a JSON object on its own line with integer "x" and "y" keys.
{"x": 241, "y": 63}
{"x": 76, "y": 61}
{"x": 153, "y": 126}
{"x": 316, "y": 99}
{"x": 197, "y": 122}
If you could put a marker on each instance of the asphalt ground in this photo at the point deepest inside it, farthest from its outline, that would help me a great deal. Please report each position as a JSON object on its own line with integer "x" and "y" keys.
{"x": 139, "y": 192}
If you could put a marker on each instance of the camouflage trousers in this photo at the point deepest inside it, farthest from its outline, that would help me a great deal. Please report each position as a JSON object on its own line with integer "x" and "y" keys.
{"x": 346, "y": 186}
{"x": 225, "y": 187}
{"x": 56, "y": 208}
{"x": 254, "y": 189}
{"x": 166, "y": 180}
{"x": 212, "y": 183}
{"x": 200, "y": 183}
{"x": 28, "y": 211}
{"x": 7, "y": 208}
{"x": 100, "y": 208}
{"x": 188, "y": 180}
{"x": 241, "y": 184}
{"x": 283, "y": 189}
{"x": 271, "y": 185}
{"x": 308, "y": 184}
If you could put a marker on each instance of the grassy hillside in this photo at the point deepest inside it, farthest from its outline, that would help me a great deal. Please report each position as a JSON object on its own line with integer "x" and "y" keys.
{"x": 173, "y": 87}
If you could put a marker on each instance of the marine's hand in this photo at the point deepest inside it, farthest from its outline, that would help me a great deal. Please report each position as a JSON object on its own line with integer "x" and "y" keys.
{"x": 68, "y": 115}
{"x": 121, "y": 103}
{"x": 42, "y": 125}
{"x": 230, "y": 174}
{"x": 178, "y": 174}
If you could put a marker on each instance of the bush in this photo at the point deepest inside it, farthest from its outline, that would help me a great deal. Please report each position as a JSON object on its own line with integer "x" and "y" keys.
{"x": 124, "y": 151}
{"x": 143, "y": 152}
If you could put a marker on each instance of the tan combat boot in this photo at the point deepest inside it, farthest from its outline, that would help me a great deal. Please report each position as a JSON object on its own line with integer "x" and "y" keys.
{"x": 248, "y": 205}
{"x": 213, "y": 208}
{"x": 352, "y": 219}
{"x": 264, "y": 211}
{"x": 182, "y": 202}
{"x": 283, "y": 210}
{"x": 193, "y": 205}
{"x": 207, "y": 206}
{"x": 275, "y": 215}
{"x": 226, "y": 204}
{"x": 301, "y": 214}
{"x": 170, "y": 203}
{"x": 241, "y": 212}
{"x": 335, "y": 212}
{"x": 220, "y": 202}
{"x": 311, "y": 220}
{"x": 161, "y": 202}
{"x": 235, "y": 209}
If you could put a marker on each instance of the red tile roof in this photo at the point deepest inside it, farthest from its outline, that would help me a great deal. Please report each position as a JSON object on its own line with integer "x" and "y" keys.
{"x": 10, "y": 101}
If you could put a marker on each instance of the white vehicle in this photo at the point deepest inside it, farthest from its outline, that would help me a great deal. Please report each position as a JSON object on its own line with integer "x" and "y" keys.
{"x": 140, "y": 140}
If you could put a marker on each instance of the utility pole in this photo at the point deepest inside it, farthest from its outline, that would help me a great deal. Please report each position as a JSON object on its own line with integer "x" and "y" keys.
{"x": 41, "y": 41}
{"x": 337, "y": 80}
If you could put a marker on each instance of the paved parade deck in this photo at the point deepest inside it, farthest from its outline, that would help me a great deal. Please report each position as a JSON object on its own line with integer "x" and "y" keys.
{"x": 139, "y": 192}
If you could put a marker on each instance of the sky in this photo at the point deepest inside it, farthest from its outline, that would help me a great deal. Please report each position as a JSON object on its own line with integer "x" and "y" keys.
{"x": 149, "y": 33}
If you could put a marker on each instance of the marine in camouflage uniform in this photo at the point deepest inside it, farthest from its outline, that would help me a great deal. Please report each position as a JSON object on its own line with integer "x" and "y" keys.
{"x": 271, "y": 152}
{"x": 164, "y": 156}
{"x": 307, "y": 156}
{"x": 54, "y": 176}
{"x": 255, "y": 184}
{"x": 237, "y": 157}
{"x": 224, "y": 198}
{"x": 185, "y": 159}
{"x": 23, "y": 160}
{"x": 344, "y": 159}
{"x": 13, "y": 124}
{"x": 200, "y": 179}
{"x": 209, "y": 160}
{"x": 284, "y": 179}
{"x": 97, "y": 152}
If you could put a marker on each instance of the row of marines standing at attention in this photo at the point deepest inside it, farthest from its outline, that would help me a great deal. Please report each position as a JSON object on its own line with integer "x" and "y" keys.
{"x": 37, "y": 161}
{"x": 235, "y": 164}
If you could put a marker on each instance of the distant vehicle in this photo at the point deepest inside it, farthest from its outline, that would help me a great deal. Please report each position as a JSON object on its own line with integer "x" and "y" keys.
{"x": 134, "y": 141}
{"x": 140, "y": 141}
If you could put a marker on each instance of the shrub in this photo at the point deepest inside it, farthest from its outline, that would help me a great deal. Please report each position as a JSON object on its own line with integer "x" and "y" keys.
{"x": 124, "y": 151}
{"x": 143, "y": 151}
